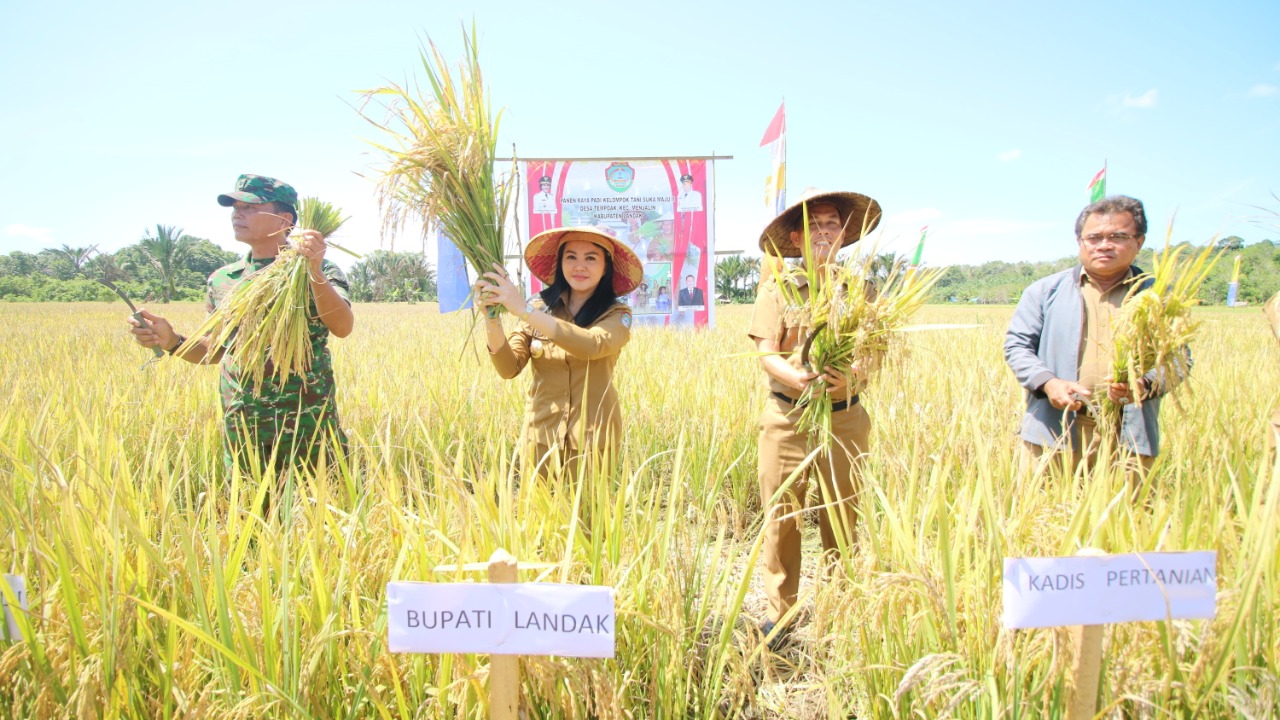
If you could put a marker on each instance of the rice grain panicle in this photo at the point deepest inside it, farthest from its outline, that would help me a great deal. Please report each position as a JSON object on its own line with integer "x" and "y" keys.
{"x": 1154, "y": 328}
{"x": 440, "y": 157}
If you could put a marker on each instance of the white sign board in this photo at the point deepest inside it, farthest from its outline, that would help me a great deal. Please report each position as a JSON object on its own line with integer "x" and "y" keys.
{"x": 1097, "y": 590}
{"x": 18, "y": 585}
{"x": 500, "y": 619}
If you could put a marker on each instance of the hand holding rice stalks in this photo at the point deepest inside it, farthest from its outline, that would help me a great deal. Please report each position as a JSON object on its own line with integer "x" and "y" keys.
{"x": 264, "y": 322}
{"x": 441, "y": 159}
{"x": 852, "y": 325}
{"x": 1154, "y": 328}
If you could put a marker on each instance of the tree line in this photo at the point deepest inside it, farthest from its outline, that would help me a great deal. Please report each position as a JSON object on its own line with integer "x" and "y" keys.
{"x": 1000, "y": 282}
{"x": 165, "y": 265}
{"x": 168, "y": 265}
{"x": 1003, "y": 282}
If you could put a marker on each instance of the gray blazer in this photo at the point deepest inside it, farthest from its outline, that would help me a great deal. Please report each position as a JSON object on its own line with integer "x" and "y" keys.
{"x": 1043, "y": 343}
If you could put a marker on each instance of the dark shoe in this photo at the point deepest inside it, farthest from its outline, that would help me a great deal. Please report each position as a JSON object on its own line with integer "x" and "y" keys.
{"x": 781, "y": 636}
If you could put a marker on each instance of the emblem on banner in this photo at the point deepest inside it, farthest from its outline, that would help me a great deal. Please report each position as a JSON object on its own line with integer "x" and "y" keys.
{"x": 620, "y": 175}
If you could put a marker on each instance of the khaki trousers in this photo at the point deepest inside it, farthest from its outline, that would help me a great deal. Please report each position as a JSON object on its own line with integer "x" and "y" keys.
{"x": 782, "y": 450}
{"x": 565, "y": 464}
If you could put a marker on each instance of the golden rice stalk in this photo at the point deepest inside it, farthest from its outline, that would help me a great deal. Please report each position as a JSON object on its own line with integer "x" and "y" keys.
{"x": 316, "y": 214}
{"x": 851, "y": 323}
{"x": 440, "y": 155}
{"x": 1154, "y": 328}
{"x": 264, "y": 322}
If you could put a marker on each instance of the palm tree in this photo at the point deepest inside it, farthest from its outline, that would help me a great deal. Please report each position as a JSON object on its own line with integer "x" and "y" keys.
{"x": 883, "y": 264}
{"x": 384, "y": 276}
{"x": 751, "y": 266}
{"x": 167, "y": 251}
{"x": 108, "y": 271}
{"x": 76, "y": 256}
{"x": 106, "y": 267}
{"x": 728, "y": 272}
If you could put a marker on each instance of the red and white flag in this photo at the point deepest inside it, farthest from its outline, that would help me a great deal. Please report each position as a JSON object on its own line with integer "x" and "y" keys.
{"x": 775, "y": 138}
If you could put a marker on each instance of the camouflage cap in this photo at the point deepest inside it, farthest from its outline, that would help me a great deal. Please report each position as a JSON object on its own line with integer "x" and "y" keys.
{"x": 260, "y": 189}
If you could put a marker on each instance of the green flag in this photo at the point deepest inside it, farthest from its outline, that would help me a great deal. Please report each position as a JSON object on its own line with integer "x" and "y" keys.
{"x": 920, "y": 247}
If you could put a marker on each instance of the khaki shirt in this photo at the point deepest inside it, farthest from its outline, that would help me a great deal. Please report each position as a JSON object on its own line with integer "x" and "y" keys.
{"x": 773, "y": 319}
{"x": 572, "y": 392}
{"x": 1096, "y": 349}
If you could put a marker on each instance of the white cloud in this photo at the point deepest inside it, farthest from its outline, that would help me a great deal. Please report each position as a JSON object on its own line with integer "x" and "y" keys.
{"x": 41, "y": 235}
{"x": 1145, "y": 100}
{"x": 1009, "y": 155}
{"x": 1262, "y": 90}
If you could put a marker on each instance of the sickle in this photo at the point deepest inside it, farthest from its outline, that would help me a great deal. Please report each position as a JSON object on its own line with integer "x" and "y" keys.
{"x": 808, "y": 343}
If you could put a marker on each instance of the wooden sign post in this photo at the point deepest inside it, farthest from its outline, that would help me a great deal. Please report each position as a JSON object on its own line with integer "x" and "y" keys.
{"x": 1093, "y": 589}
{"x": 504, "y": 619}
{"x": 1086, "y": 663}
{"x": 504, "y": 670}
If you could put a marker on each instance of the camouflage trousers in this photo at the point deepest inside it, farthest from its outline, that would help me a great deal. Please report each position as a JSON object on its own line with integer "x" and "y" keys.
{"x": 282, "y": 442}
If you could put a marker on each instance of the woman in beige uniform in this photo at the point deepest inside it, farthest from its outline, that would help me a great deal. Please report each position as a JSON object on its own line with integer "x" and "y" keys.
{"x": 571, "y": 334}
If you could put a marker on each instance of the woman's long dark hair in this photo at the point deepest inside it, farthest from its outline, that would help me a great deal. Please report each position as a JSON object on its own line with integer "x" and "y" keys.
{"x": 602, "y": 299}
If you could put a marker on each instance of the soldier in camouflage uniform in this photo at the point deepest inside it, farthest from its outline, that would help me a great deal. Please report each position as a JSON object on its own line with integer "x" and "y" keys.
{"x": 294, "y": 421}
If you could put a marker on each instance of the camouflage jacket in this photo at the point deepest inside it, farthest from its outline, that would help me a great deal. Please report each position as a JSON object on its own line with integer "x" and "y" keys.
{"x": 274, "y": 413}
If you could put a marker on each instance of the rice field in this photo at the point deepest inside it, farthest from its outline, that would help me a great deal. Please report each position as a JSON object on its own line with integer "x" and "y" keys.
{"x": 157, "y": 592}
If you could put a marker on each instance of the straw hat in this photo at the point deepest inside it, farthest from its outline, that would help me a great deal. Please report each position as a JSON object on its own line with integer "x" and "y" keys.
{"x": 544, "y": 249}
{"x": 860, "y": 213}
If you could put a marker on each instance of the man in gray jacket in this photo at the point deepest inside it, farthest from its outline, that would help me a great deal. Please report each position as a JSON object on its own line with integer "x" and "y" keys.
{"x": 1059, "y": 342}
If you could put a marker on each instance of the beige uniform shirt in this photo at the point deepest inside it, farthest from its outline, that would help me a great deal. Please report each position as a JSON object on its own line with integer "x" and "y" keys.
{"x": 1100, "y": 310}
{"x": 572, "y": 393}
{"x": 773, "y": 319}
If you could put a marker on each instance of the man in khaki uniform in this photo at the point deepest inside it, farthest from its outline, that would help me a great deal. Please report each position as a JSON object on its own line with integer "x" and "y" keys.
{"x": 835, "y": 220}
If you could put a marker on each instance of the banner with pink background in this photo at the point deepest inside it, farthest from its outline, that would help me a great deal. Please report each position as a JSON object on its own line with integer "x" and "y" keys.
{"x": 659, "y": 208}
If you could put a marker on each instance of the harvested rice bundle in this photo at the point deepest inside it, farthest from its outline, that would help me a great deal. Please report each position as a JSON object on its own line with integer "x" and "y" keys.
{"x": 1154, "y": 328}
{"x": 264, "y": 322}
{"x": 441, "y": 158}
{"x": 852, "y": 325}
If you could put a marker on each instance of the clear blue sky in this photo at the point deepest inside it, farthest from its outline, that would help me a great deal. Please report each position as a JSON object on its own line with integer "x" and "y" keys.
{"x": 984, "y": 120}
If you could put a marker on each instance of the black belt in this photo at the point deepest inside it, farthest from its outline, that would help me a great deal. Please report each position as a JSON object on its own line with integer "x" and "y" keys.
{"x": 835, "y": 406}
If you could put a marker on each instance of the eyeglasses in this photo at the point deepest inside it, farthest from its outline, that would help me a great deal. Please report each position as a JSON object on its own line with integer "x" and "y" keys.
{"x": 1114, "y": 238}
